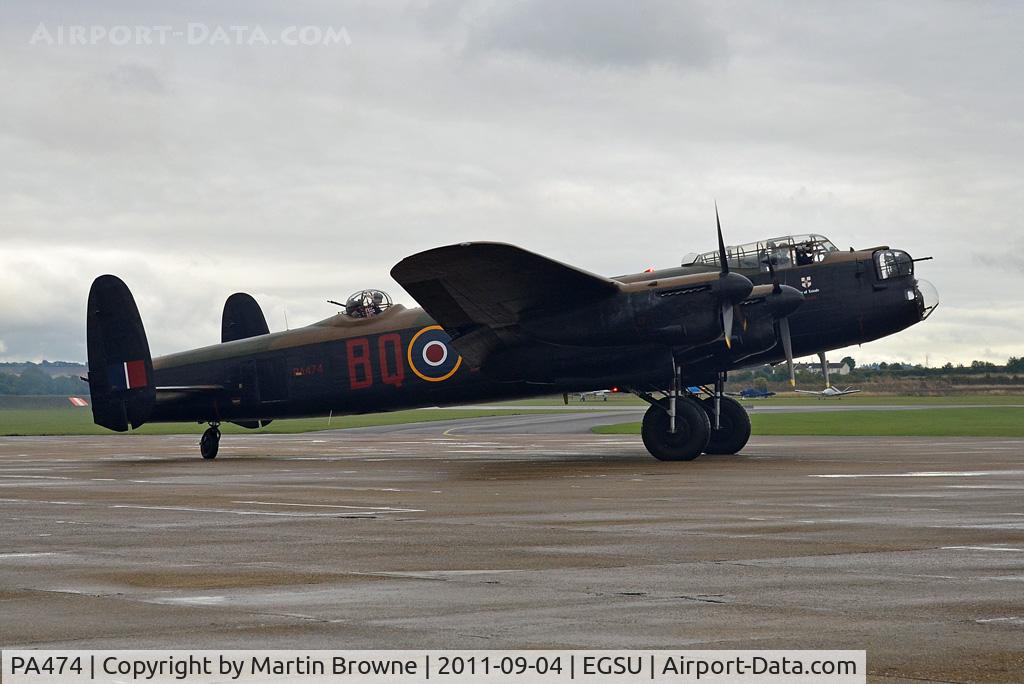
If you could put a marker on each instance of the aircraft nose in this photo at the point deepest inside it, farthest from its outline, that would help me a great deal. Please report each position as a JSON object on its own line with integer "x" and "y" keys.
{"x": 927, "y": 297}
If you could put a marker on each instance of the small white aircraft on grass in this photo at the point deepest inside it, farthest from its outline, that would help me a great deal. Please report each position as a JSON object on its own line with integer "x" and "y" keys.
{"x": 599, "y": 394}
{"x": 830, "y": 391}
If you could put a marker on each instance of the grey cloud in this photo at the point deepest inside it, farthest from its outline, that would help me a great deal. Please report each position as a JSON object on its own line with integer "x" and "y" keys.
{"x": 1008, "y": 258}
{"x": 601, "y": 33}
{"x": 136, "y": 78}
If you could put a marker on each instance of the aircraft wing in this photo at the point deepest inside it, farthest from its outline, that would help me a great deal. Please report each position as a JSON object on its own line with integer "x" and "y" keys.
{"x": 480, "y": 291}
{"x": 807, "y": 392}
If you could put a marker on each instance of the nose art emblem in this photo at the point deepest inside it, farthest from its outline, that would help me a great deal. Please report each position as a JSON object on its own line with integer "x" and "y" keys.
{"x": 805, "y": 282}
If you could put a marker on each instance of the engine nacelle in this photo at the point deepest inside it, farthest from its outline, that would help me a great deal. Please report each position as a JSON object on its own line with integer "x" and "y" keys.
{"x": 757, "y": 330}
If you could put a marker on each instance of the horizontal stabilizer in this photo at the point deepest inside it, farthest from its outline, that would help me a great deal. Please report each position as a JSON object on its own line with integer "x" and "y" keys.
{"x": 190, "y": 389}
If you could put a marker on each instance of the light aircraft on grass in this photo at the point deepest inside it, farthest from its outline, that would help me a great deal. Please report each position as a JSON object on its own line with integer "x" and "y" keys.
{"x": 830, "y": 391}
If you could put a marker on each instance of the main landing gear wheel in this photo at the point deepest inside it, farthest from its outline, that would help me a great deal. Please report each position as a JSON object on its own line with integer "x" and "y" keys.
{"x": 734, "y": 426}
{"x": 210, "y": 442}
{"x": 690, "y": 438}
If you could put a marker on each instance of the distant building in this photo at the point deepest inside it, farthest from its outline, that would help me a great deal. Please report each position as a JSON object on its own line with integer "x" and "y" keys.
{"x": 833, "y": 368}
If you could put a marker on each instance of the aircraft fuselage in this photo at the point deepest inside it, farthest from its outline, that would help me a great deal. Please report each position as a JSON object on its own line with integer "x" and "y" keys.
{"x": 403, "y": 359}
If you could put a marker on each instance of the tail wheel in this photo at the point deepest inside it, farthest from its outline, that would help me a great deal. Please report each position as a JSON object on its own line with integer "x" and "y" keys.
{"x": 734, "y": 426}
{"x": 690, "y": 439}
{"x": 210, "y": 443}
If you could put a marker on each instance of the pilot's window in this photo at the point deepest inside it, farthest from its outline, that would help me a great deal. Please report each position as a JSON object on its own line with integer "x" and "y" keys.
{"x": 778, "y": 254}
{"x": 748, "y": 260}
{"x": 783, "y": 252}
{"x": 893, "y": 263}
{"x": 804, "y": 254}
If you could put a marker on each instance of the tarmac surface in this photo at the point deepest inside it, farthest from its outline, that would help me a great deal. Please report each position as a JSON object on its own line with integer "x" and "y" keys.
{"x": 910, "y": 548}
{"x": 580, "y": 418}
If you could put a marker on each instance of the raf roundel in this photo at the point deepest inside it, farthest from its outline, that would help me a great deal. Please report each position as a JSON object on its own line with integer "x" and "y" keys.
{"x": 431, "y": 355}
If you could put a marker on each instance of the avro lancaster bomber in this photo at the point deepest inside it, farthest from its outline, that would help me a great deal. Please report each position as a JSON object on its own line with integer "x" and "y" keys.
{"x": 499, "y": 322}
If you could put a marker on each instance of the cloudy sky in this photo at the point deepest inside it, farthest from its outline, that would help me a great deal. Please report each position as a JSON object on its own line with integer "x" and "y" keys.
{"x": 597, "y": 132}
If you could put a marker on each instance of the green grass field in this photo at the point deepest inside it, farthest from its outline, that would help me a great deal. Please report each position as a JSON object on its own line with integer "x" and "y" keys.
{"x": 998, "y": 421}
{"x": 791, "y": 399}
{"x": 72, "y": 421}
{"x": 891, "y": 400}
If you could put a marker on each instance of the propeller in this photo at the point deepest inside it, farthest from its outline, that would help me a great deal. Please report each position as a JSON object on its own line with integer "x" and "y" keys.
{"x": 787, "y": 346}
{"x": 727, "y": 307}
{"x": 787, "y": 340}
{"x": 727, "y": 323}
{"x": 721, "y": 242}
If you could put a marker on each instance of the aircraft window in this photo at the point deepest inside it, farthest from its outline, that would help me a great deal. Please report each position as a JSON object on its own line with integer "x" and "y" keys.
{"x": 784, "y": 252}
{"x": 367, "y": 303}
{"x": 893, "y": 263}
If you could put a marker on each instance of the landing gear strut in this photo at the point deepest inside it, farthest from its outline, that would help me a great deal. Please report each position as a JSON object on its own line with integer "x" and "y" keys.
{"x": 210, "y": 442}
{"x": 730, "y": 424}
{"x": 680, "y": 426}
{"x": 675, "y": 428}
{"x": 734, "y": 426}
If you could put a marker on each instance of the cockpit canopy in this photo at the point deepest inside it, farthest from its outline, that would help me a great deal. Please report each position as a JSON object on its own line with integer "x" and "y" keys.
{"x": 367, "y": 303}
{"x": 784, "y": 252}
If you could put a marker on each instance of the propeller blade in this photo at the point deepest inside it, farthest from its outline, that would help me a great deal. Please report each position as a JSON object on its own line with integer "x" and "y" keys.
{"x": 721, "y": 243}
{"x": 727, "y": 323}
{"x": 727, "y": 313}
{"x": 787, "y": 346}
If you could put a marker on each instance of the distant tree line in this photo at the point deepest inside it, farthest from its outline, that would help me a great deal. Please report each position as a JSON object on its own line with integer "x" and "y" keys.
{"x": 42, "y": 364}
{"x": 973, "y": 373}
{"x": 1015, "y": 364}
{"x": 32, "y": 379}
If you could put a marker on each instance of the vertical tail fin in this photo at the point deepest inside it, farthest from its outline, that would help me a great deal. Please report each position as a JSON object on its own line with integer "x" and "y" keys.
{"x": 242, "y": 318}
{"x": 120, "y": 366}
